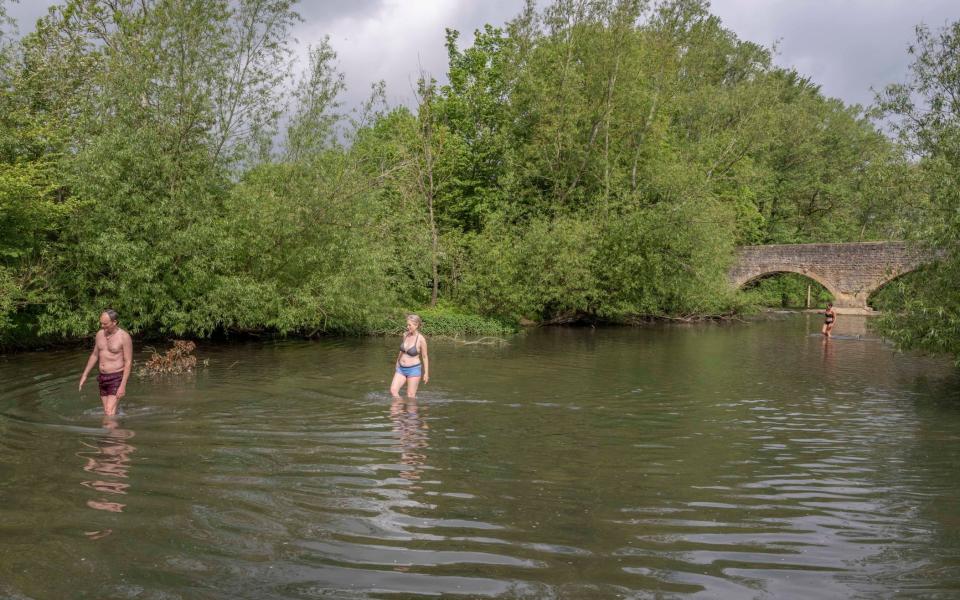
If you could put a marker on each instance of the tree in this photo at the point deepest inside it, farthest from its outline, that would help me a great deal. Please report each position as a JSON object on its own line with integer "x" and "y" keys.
{"x": 924, "y": 113}
{"x": 162, "y": 101}
{"x": 33, "y": 206}
{"x": 429, "y": 143}
{"x": 312, "y": 128}
{"x": 34, "y": 199}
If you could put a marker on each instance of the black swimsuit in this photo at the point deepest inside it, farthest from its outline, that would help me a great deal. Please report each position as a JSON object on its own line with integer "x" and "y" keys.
{"x": 828, "y": 318}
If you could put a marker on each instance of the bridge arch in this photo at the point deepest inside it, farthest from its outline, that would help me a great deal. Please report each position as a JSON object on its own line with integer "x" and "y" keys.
{"x": 824, "y": 281}
{"x": 850, "y": 272}
{"x": 893, "y": 275}
{"x": 889, "y": 282}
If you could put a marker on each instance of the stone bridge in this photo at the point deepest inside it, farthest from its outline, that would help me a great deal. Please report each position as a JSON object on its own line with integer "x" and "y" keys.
{"x": 851, "y": 272}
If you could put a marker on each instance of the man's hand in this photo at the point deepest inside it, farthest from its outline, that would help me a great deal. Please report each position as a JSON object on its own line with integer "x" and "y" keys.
{"x": 83, "y": 379}
{"x": 121, "y": 391}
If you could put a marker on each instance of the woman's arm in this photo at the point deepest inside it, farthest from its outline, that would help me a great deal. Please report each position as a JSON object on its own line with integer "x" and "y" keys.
{"x": 426, "y": 359}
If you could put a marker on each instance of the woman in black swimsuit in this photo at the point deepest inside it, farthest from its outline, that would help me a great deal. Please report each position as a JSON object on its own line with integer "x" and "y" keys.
{"x": 412, "y": 363}
{"x": 829, "y": 318}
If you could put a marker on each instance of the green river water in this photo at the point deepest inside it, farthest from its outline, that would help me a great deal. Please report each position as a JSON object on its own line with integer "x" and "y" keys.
{"x": 746, "y": 460}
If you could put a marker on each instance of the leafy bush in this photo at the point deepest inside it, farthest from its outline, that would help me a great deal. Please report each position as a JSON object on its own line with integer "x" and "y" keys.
{"x": 447, "y": 321}
{"x": 786, "y": 290}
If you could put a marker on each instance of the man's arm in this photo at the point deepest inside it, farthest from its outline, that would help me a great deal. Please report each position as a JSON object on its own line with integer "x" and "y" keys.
{"x": 94, "y": 356}
{"x": 127, "y": 364}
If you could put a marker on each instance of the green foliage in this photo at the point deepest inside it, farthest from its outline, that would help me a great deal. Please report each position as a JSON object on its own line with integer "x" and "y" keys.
{"x": 657, "y": 261}
{"x": 926, "y": 116}
{"x": 142, "y": 240}
{"x": 312, "y": 128}
{"x": 667, "y": 260}
{"x": 447, "y": 321}
{"x": 451, "y": 322}
{"x": 928, "y": 318}
{"x": 894, "y": 296}
{"x": 33, "y": 205}
{"x": 540, "y": 270}
{"x": 786, "y": 290}
{"x": 585, "y": 161}
{"x": 303, "y": 251}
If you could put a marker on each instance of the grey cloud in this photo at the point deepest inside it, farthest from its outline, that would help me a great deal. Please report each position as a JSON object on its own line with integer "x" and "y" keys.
{"x": 27, "y": 13}
{"x": 847, "y": 47}
{"x": 395, "y": 40}
{"x": 331, "y": 10}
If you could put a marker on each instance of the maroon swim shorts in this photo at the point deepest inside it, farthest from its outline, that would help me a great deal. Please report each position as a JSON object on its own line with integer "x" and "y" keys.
{"x": 109, "y": 383}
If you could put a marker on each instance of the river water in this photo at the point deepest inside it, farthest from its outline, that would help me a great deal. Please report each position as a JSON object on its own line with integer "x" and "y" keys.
{"x": 747, "y": 460}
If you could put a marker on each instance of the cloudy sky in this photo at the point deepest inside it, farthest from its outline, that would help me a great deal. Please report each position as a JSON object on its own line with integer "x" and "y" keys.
{"x": 846, "y": 46}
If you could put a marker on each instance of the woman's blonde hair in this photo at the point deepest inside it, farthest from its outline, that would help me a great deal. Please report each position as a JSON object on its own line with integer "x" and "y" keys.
{"x": 416, "y": 319}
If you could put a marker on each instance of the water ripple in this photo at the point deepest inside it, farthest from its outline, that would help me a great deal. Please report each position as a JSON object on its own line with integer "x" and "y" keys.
{"x": 709, "y": 462}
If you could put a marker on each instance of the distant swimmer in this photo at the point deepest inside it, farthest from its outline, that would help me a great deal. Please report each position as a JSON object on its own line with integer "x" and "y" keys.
{"x": 113, "y": 351}
{"x": 412, "y": 363}
{"x": 829, "y": 319}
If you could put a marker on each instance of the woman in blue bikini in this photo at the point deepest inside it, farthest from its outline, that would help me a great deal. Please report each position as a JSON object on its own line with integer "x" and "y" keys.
{"x": 412, "y": 362}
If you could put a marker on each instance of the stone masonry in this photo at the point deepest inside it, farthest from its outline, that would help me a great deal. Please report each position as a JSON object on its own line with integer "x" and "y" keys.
{"x": 851, "y": 272}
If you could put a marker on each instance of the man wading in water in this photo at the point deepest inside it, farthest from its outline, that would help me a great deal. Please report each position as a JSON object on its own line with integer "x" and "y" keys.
{"x": 114, "y": 351}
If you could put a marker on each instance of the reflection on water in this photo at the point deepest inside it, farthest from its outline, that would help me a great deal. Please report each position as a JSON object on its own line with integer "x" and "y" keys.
{"x": 827, "y": 345}
{"x": 755, "y": 460}
{"x": 108, "y": 457}
{"x": 410, "y": 427}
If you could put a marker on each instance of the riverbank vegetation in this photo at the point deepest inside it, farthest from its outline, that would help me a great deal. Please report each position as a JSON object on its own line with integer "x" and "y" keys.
{"x": 786, "y": 290}
{"x": 588, "y": 160}
{"x": 924, "y": 113}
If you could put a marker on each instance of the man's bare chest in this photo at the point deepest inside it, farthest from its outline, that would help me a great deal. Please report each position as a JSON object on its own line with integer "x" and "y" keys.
{"x": 112, "y": 345}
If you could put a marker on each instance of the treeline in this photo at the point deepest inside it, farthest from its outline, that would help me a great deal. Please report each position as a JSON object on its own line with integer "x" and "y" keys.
{"x": 590, "y": 160}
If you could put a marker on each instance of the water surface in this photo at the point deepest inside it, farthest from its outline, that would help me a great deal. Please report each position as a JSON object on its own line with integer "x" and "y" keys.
{"x": 751, "y": 460}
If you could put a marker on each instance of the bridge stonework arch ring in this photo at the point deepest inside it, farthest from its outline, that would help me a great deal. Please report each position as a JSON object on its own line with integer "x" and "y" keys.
{"x": 850, "y": 272}
{"x": 774, "y": 269}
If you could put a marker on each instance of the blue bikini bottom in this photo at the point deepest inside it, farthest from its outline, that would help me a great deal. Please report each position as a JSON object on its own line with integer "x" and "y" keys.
{"x": 411, "y": 371}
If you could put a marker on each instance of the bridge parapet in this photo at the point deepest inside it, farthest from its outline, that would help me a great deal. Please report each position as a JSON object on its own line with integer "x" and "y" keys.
{"x": 850, "y": 272}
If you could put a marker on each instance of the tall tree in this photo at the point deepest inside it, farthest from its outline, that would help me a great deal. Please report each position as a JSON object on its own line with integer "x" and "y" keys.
{"x": 34, "y": 199}
{"x": 924, "y": 112}
{"x": 171, "y": 97}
